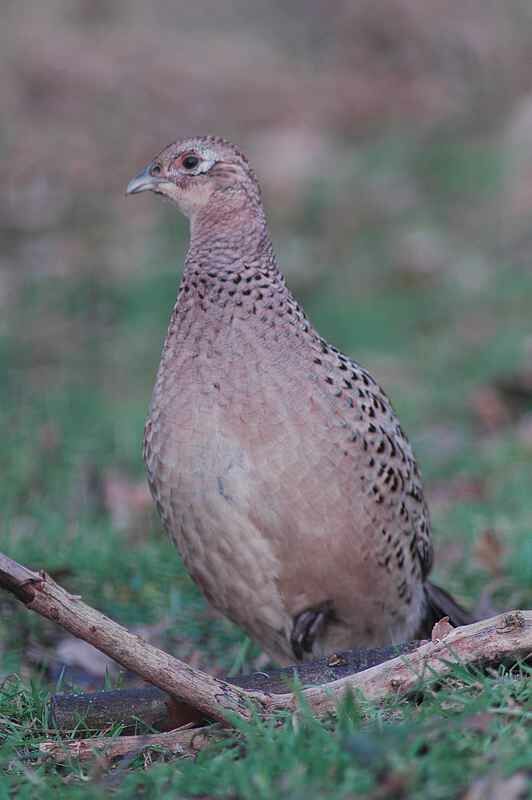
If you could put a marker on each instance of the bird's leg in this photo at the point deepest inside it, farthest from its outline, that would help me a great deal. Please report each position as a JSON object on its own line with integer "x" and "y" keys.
{"x": 308, "y": 625}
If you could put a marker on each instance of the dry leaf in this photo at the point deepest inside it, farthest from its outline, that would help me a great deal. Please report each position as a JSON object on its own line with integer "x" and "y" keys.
{"x": 494, "y": 787}
{"x": 490, "y": 552}
{"x": 441, "y": 629}
{"x": 336, "y": 660}
{"x": 490, "y": 407}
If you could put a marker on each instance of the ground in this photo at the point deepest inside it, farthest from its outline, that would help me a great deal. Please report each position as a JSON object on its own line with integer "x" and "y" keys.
{"x": 405, "y": 237}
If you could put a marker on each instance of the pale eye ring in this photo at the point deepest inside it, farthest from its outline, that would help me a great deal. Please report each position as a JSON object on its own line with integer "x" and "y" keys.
{"x": 190, "y": 162}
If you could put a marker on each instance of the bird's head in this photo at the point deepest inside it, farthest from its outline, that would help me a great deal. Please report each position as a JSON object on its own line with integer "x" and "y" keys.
{"x": 195, "y": 172}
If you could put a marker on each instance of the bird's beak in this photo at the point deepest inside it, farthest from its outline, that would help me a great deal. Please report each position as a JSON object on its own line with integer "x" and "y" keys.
{"x": 143, "y": 182}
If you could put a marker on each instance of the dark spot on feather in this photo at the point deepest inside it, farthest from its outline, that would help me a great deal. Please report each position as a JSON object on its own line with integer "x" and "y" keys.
{"x": 221, "y": 490}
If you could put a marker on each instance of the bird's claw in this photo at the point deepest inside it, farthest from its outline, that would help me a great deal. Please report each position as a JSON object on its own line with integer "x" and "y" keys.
{"x": 308, "y": 625}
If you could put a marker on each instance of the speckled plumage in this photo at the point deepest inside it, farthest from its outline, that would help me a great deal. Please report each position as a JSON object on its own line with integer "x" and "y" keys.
{"x": 277, "y": 463}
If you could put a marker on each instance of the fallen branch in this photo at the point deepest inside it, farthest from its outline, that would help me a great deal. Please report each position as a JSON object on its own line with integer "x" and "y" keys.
{"x": 209, "y": 696}
{"x": 504, "y": 639}
{"x": 180, "y": 742}
{"x": 501, "y": 639}
{"x": 159, "y": 711}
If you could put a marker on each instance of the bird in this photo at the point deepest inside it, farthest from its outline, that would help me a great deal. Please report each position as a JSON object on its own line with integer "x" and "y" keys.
{"x": 277, "y": 463}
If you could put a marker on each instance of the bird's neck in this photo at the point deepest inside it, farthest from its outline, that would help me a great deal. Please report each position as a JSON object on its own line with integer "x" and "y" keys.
{"x": 228, "y": 241}
{"x": 232, "y": 283}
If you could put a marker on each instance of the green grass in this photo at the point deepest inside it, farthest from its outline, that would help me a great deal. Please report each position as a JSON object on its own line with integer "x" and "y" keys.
{"x": 473, "y": 726}
{"x": 76, "y": 385}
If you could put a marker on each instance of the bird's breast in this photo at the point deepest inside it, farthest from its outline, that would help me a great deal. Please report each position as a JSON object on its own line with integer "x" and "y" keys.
{"x": 212, "y": 451}
{"x": 261, "y": 478}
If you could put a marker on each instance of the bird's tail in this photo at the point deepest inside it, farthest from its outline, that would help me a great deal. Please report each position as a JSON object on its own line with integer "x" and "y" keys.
{"x": 439, "y": 603}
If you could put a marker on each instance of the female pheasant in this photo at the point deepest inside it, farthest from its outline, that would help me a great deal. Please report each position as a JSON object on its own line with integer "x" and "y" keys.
{"x": 277, "y": 463}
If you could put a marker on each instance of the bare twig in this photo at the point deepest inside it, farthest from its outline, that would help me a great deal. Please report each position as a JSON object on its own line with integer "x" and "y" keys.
{"x": 156, "y": 708}
{"x": 180, "y": 742}
{"x": 210, "y": 696}
{"x": 504, "y": 638}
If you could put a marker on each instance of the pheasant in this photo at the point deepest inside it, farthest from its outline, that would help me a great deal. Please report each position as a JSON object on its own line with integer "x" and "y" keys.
{"x": 277, "y": 463}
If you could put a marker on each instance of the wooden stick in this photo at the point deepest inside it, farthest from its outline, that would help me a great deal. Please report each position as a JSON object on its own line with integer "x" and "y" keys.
{"x": 504, "y": 639}
{"x": 98, "y": 711}
{"x": 153, "y": 707}
{"x": 180, "y": 742}
{"x": 210, "y": 696}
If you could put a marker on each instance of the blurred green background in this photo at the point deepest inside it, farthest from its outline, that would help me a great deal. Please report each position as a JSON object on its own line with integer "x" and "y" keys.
{"x": 393, "y": 142}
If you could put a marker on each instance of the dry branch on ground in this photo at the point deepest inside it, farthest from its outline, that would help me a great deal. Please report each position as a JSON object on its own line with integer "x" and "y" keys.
{"x": 501, "y": 639}
{"x": 160, "y": 711}
{"x": 209, "y": 696}
{"x": 180, "y": 742}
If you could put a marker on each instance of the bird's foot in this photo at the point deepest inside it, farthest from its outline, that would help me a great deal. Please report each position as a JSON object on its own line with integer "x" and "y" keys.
{"x": 308, "y": 625}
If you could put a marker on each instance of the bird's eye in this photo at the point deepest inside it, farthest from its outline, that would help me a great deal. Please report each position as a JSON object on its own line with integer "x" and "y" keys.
{"x": 156, "y": 170}
{"x": 189, "y": 162}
